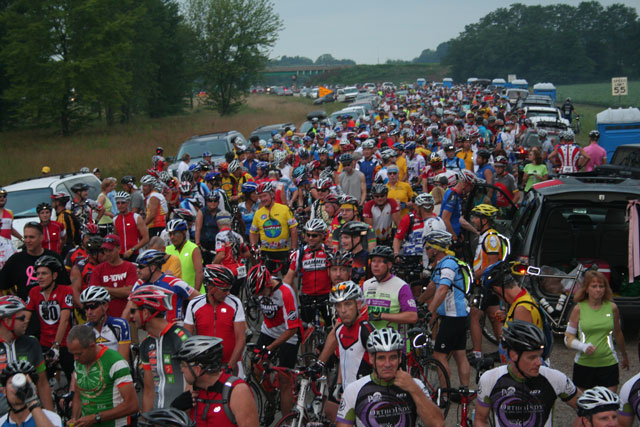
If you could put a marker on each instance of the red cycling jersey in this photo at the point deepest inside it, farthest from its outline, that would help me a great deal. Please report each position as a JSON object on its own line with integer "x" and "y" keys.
{"x": 50, "y": 311}
{"x": 280, "y": 310}
{"x": 208, "y": 413}
{"x": 51, "y": 235}
{"x": 127, "y": 228}
{"x": 314, "y": 269}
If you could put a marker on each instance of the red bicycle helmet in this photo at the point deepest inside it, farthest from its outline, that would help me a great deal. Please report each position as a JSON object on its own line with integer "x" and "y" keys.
{"x": 258, "y": 278}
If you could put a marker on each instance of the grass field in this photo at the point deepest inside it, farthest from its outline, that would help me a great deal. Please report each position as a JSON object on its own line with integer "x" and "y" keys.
{"x": 599, "y": 94}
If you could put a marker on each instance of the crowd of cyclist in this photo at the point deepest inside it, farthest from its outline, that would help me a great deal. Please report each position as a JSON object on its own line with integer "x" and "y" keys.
{"x": 360, "y": 221}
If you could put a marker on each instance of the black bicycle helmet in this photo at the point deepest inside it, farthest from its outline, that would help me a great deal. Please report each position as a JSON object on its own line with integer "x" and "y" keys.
{"x": 218, "y": 276}
{"x": 354, "y": 228}
{"x": 382, "y": 251}
{"x": 94, "y": 244}
{"x": 42, "y": 207}
{"x": 340, "y": 258}
{"x": 81, "y": 186}
{"x": 18, "y": 367}
{"x": 497, "y": 274}
{"x": 165, "y": 417}
{"x": 522, "y": 336}
{"x": 485, "y": 154}
{"x": 380, "y": 189}
{"x": 203, "y": 350}
{"x": 49, "y": 261}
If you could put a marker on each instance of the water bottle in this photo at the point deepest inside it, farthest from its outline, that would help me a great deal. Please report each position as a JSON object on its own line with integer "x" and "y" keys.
{"x": 19, "y": 382}
{"x": 545, "y": 304}
{"x": 561, "y": 301}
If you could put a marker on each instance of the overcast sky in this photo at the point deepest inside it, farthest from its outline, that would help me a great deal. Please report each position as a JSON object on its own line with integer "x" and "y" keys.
{"x": 372, "y": 31}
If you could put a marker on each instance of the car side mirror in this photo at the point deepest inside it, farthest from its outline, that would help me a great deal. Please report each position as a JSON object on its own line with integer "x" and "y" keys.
{"x": 533, "y": 271}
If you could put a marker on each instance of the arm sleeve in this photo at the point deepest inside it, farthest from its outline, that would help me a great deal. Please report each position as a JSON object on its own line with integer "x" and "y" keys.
{"x": 188, "y": 316}
{"x": 293, "y": 259}
{"x": 366, "y": 211}
{"x": 403, "y": 227}
{"x": 405, "y": 297}
{"x": 290, "y": 310}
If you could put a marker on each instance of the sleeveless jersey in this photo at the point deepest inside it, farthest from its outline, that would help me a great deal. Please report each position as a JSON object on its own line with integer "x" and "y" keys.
{"x": 186, "y": 261}
{"x": 209, "y": 229}
{"x": 6, "y": 223}
{"x": 596, "y": 327}
{"x": 156, "y": 355}
{"x": 98, "y": 384}
{"x": 127, "y": 228}
{"x": 524, "y": 403}
{"x": 452, "y": 202}
{"x": 314, "y": 270}
{"x": 214, "y": 414}
{"x": 51, "y": 235}
{"x": 630, "y": 397}
{"x": 114, "y": 331}
{"x": 568, "y": 154}
{"x": 160, "y": 219}
{"x": 489, "y": 243}
{"x": 352, "y": 350}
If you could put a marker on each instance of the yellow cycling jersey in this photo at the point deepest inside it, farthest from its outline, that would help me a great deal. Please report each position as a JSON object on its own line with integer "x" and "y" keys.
{"x": 273, "y": 227}
{"x": 524, "y": 299}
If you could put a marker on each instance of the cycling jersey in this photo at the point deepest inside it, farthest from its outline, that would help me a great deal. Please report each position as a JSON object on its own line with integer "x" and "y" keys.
{"x": 114, "y": 331}
{"x": 218, "y": 321}
{"x": 215, "y": 414}
{"x": 359, "y": 268}
{"x": 209, "y": 229}
{"x": 49, "y": 311}
{"x": 280, "y": 311}
{"x": 402, "y": 193}
{"x": 6, "y": 223}
{"x": 489, "y": 243}
{"x": 630, "y": 397}
{"x": 452, "y": 202}
{"x": 51, "y": 235}
{"x": 54, "y": 418}
{"x": 529, "y": 402}
{"x": 314, "y": 270}
{"x": 160, "y": 218}
{"x": 185, "y": 253}
{"x": 415, "y": 166}
{"x": 156, "y": 355}
{"x": 181, "y": 290}
{"x": 273, "y": 227}
{"x": 83, "y": 210}
{"x": 352, "y": 349}
{"x": 232, "y": 245}
{"x": 569, "y": 154}
{"x": 371, "y": 402}
{"x": 127, "y": 228}
{"x": 71, "y": 227}
{"x": 74, "y": 255}
{"x": 412, "y": 240}
{"x": 112, "y": 277}
{"x": 368, "y": 168}
{"x": 454, "y": 164}
{"x": 391, "y": 296}
{"x": 98, "y": 384}
{"x": 247, "y": 215}
{"x": 381, "y": 216}
{"x": 86, "y": 269}
{"x": 447, "y": 273}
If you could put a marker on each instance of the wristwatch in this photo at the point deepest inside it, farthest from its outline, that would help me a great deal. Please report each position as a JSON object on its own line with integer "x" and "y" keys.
{"x": 98, "y": 418}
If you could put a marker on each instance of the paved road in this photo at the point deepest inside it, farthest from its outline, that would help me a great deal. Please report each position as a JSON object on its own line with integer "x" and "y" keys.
{"x": 561, "y": 359}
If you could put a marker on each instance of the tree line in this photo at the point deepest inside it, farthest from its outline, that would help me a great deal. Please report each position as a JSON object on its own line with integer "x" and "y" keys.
{"x": 557, "y": 43}
{"x": 324, "y": 59}
{"x": 64, "y": 63}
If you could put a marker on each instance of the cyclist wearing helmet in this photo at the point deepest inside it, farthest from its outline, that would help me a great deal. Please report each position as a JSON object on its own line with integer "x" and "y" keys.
{"x": 53, "y": 235}
{"x": 158, "y": 162}
{"x": 340, "y": 264}
{"x": 188, "y": 252}
{"x": 239, "y": 176}
{"x": 352, "y": 181}
{"x": 466, "y": 153}
{"x": 206, "y": 227}
{"x": 52, "y": 304}
{"x": 162, "y": 382}
{"x": 130, "y": 226}
{"x": 156, "y": 206}
{"x": 67, "y": 220}
{"x": 83, "y": 207}
{"x": 16, "y": 344}
{"x": 112, "y": 332}
{"x": 415, "y": 162}
{"x": 79, "y": 252}
{"x": 399, "y": 190}
{"x": 249, "y": 206}
{"x": 353, "y": 238}
{"x": 273, "y": 226}
{"x": 281, "y": 326}
{"x": 451, "y": 211}
{"x": 368, "y": 164}
{"x": 388, "y": 157}
{"x": 389, "y": 395}
{"x": 81, "y": 271}
{"x": 220, "y": 398}
{"x": 348, "y": 213}
{"x": 165, "y": 417}
{"x": 220, "y": 314}
{"x": 137, "y": 199}
{"x": 597, "y": 154}
{"x": 507, "y": 182}
{"x": 571, "y": 155}
{"x": 451, "y": 161}
{"x": 599, "y": 406}
{"x": 231, "y": 251}
{"x": 522, "y": 392}
{"x": 382, "y": 213}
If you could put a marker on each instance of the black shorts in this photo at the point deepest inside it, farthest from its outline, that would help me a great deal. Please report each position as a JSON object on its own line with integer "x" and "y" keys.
{"x": 310, "y": 304}
{"x": 490, "y": 299}
{"x": 287, "y": 353}
{"x": 452, "y": 334}
{"x": 587, "y": 377}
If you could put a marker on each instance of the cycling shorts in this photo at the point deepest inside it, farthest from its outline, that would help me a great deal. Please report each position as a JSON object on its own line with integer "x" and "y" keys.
{"x": 287, "y": 353}
{"x": 452, "y": 334}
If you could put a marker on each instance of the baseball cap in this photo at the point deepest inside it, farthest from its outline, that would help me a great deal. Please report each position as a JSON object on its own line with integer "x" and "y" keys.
{"x": 393, "y": 169}
{"x": 110, "y": 241}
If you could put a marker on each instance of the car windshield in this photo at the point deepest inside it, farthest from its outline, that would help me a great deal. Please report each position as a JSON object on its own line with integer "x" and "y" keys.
{"x": 350, "y": 90}
{"x": 216, "y": 145}
{"x": 550, "y": 114}
{"x": 23, "y": 202}
{"x": 627, "y": 156}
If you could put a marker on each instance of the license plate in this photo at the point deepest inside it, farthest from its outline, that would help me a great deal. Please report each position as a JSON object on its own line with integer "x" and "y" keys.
{"x": 242, "y": 271}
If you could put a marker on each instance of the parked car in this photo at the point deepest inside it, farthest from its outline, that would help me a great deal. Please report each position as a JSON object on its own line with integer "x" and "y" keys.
{"x": 348, "y": 94}
{"x": 514, "y": 95}
{"x": 370, "y": 87}
{"x": 264, "y": 132}
{"x": 216, "y": 143}
{"x": 330, "y": 97}
{"x": 388, "y": 86}
{"x": 24, "y": 195}
{"x": 535, "y": 101}
{"x": 627, "y": 155}
{"x": 306, "y": 125}
{"x": 544, "y": 113}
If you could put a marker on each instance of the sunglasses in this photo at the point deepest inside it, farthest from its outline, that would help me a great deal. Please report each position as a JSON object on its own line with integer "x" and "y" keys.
{"x": 314, "y": 235}
{"x": 220, "y": 288}
{"x": 92, "y": 306}
{"x": 141, "y": 267}
{"x": 392, "y": 173}
{"x": 133, "y": 310}
{"x": 322, "y": 190}
{"x": 3, "y": 196}
{"x": 121, "y": 202}
{"x": 379, "y": 196}
{"x": 21, "y": 318}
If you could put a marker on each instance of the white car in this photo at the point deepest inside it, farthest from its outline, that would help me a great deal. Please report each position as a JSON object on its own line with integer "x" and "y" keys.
{"x": 347, "y": 94}
{"x": 545, "y": 114}
{"x": 23, "y": 196}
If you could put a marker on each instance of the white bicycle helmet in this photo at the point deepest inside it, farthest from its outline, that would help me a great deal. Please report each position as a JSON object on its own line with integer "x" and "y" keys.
{"x": 176, "y": 225}
{"x": 597, "y": 399}
{"x": 278, "y": 157}
{"x": 147, "y": 180}
{"x": 345, "y": 291}
{"x": 385, "y": 339}
{"x": 369, "y": 143}
{"x": 122, "y": 195}
{"x": 234, "y": 166}
{"x": 467, "y": 177}
{"x": 425, "y": 200}
{"x": 185, "y": 187}
{"x": 315, "y": 225}
{"x": 10, "y": 305}
{"x": 97, "y": 294}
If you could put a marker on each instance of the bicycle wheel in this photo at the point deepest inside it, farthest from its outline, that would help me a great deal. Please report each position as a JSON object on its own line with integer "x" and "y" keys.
{"x": 487, "y": 330}
{"x": 434, "y": 376}
{"x": 252, "y": 311}
{"x": 294, "y": 419}
{"x": 260, "y": 400}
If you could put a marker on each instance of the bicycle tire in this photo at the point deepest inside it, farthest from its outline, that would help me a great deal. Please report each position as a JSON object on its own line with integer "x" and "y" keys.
{"x": 487, "y": 330}
{"x": 252, "y": 310}
{"x": 293, "y": 419}
{"x": 260, "y": 400}
{"x": 428, "y": 372}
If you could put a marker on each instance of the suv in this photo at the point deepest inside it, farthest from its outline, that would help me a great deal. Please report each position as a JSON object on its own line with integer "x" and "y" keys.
{"x": 535, "y": 101}
{"x": 24, "y": 195}
{"x": 570, "y": 220}
{"x": 216, "y": 143}
{"x": 264, "y": 132}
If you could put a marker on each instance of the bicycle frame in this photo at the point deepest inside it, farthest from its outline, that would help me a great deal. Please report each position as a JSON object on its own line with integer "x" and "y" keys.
{"x": 317, "y": 406}
{"x": 466, "y": 396}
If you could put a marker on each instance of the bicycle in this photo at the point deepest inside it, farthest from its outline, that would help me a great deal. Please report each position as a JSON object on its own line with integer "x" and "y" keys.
{"x": 263, "y": 383}
{"x": 252, "y": 310}
{"x": 465, "y": 396}
{"x": 304, "y": 413}
{"x": 315, "y": 333}
{"x": 576, "y": 125}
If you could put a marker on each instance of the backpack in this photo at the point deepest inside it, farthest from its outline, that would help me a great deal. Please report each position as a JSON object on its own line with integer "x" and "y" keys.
{"x": 467, "y": 276}
{"x": 546, "y": 328}
{"x": 227, "y": 387}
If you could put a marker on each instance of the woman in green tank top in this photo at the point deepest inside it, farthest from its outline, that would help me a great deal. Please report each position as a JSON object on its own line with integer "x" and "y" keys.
{"x": 594, "y": 322}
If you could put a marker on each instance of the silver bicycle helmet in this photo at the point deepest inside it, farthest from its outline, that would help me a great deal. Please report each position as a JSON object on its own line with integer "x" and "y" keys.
{"x": 385, "y": 339}
{"x": 425, "y": 200}
{"x": 597, "y": 399}
{"x": 344, "y": 291}
{"x": 315, "y": 225}
{"x": 97, "y": 294}
{"x": 203, "y": 350}
{"x": 234, "y": 166}
{"x": 10, "y": 305}
{"x": 165, "y": 417}
{"x": 122, "y": 195}
{"x": 147, "y": 180}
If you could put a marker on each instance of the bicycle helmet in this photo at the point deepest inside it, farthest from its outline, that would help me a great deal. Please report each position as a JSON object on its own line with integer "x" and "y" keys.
{"x": 501, "y": 160}
{"x": 278, "y": 157}
{"x": 331, "y": 198}
{"x": 382, "y": 251}
{"x": 218, "y": 276}
{"x": 148, "y": 180}
{"x": 122, "y": 195}
{"x": 204, "y": 350}
{"x": 594, "y": 134}
{"x": 43, "y": 206}
{"x": 339, "y": 258}
{"x": 346, "y": 159}
{"x": 542, "y": 133}
{"x": 249, "y": 187}
{"x": 59, "y": 196}
{"x": 355, "y": 229}
{"x": 165, "y": 417}
{"x": 435, "y": 158}
{"x": 438, "y": 239}
{"x": 425, "y": 200}
{"x": 10, "y": 305}
{"x": 81, "y": 186}
{"x": 467, "y": 177}
{"x": 569, "y": 135}
{"x": 18, "y": 367}
{"x": 345, "y": 291}
{"x": 379, "y": 189}
{"x": 184, "y": 214}
{"x": 204, "y": 166}
{"x": 258, "y": 278}
{"x": 385, "y": 339}
{"x": 128, "y": 179}
{"x": 176, "y": 225}
{"x": 387, "y": 154}
{"x": 90, "y": 229}
{"x": 152, "y": 296}
{"x": 195, "y": 167}
{"x": 369, "y": 143}
{"x": 211, "y": 176}
{"x": 435, "y": 133}
{"x": 522, "y": 336}
{"x": 213, "y": 196}
{"x": 595, "y": 400}
{"x": 324, "y": 184}
{"x": 97, "y": 294}
{"x": 485, "y": 154}
{"x": 265, "y": 187}
{"x": 151, "y": 257}
{"x": 347, "y": 199}
{"x": 234, "y": 166}
{"x": 50, "y": 262}
{"x": 94, "y": 244}
{"x": 277, "y": 138}
{"x": 410, "y": 146}
{"x": 185, "y": 187}
{"x": 484, "y": 210}
{"x": 315, "y": 225}
{"x": 497, "y": 274}
{"x": 323, "y": 150}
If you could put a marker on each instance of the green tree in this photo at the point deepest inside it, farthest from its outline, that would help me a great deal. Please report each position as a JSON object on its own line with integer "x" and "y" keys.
{"x": 234, "y": 37}
{"x": 291, "y": 60}
{"x": 328, "y": 59}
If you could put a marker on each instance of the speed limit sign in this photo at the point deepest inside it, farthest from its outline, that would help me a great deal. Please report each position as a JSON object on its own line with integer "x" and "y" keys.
{"x": 619, "y": 86}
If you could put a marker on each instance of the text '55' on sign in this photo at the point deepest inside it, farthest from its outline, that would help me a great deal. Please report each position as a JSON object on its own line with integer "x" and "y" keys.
{"x": 619, "y": 86}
